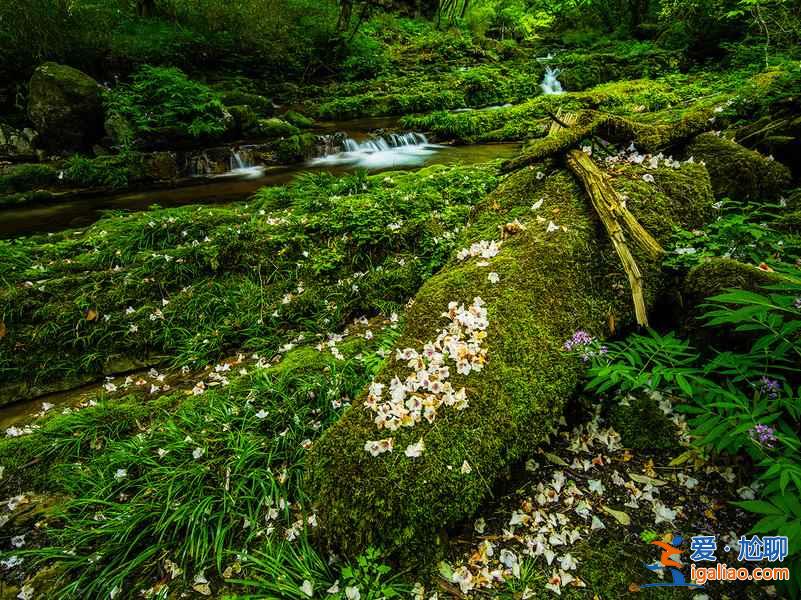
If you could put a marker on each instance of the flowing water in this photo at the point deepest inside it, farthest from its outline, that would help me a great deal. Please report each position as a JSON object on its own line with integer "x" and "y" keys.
{"x": 550, "y": 82}
{"x": 395, "y": 150}
{"x": 243, "y": 178}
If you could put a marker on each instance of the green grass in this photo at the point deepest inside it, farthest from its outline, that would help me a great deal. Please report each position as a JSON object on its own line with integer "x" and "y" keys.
{"x": 201, "y": 281}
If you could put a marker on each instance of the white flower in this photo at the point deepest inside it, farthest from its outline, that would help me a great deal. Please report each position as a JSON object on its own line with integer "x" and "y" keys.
{"x": 376, "y": 447}
{"x": 537, "y": 204}
{"x": 555, "y": 583}
{"x": 261, "y": 414}
{"x": 352, "y": 593}
{"x": 596, "y": 486}
{"x": 307, "y": 588}
{"x": 120, "y": 474}
{"x": 415, "y": 450}
{"x": 552, "y": 227}
{"x": 662, "y": 513}
{"x": 162, "y": 452}
{"x": 197, "y": 453}
{"x": 463, "y": 578}
{"x": 509, "y": 560}
{"x": 466, "y": 469}
{"x": 493, "y": 277}
{"x": 648, "y": 178}
{"x": 26, "y": 593}
{"x": 18, "y": 541}
{"x": 567, "y": 562}
{"x": 334, "y": 589}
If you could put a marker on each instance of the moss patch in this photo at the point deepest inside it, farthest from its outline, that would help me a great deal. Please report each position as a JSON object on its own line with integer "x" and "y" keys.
{"x": 737, "y": 172}
{"x": 550, "y": 285}
{"x": 643, "y": 426}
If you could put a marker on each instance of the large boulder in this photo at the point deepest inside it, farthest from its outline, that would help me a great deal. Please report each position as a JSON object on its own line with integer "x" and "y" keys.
{"x": 66, "y": 107}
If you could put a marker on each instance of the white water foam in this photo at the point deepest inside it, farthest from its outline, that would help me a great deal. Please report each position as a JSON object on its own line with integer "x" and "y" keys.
{"x": 393, "y": 150}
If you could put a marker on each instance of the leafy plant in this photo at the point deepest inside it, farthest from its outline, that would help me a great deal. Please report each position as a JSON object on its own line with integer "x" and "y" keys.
{"x": 297, "y": 571}
{"x": 743, "y": 232}
{"x": 164, "y": 97}
{"x": 737, "y": 402}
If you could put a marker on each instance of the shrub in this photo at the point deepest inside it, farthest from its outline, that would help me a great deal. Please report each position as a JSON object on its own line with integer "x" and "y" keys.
{"x": 160, "y": 98}
{"x": 738, "y": 402}
{"x": 367, "y": 58}
{"x": 115, "y": 171}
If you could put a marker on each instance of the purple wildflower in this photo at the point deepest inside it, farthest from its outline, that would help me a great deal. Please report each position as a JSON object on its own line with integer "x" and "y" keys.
{"x": 764, "y": 434}
{"x": 580, "y": 339}
{"x": 769, "y": 387}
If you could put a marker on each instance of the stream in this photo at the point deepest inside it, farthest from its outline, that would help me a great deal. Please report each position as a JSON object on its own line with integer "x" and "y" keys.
{"x": 345, "y": 153}
{"x": 345, "y": 149}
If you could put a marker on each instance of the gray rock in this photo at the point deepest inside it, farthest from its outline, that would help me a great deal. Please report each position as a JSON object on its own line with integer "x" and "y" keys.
{"x": 66, "y": 107}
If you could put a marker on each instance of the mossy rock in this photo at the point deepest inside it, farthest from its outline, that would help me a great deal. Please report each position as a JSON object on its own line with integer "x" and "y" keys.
{"x": 295, "y": 148}
{"x": 297, "y": 119}
{"x": 737, "y": 172}
{"x": 713, "y": 277}
{"x": 259, "y": 103}
{"x": 551, "y": 284}
{"x": 274, "y": 128}
{"x": 245, "y": 119}
{"x": 642, "y": 425}
{"x": 23, "y": 178}
{"x": 66, "y": 107}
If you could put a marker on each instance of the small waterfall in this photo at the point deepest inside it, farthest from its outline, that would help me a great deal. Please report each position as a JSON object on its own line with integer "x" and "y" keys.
{"x": 241, "y": 163}
{"x": 223, "y": 161}
{"x": 550, "y": 82}
{"x": 380, "y": 152}
{"x": 236, "y": 161}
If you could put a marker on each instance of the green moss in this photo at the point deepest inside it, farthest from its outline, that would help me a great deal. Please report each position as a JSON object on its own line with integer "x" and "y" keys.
{"x": 550, "y": 285}
{"x": 643, "y": 426}
{"x": 297, "y": 119}
{"x": 295, "y": 148}
{"x": 737, "y": 172}
{"x": 64, "y": 438}
{"x": 274, "y": 128}
{"x": 227, "y": 272}
{"x": 23, "y": 178}
{"x": 245, "y": 118}
{"x": 238, "y": 98}
{"x": 708, "y": 279}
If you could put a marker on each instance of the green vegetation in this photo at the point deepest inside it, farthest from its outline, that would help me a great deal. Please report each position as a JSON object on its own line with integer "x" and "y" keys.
{"x": 420, "y": 383}
{"x": 164, "y": 102}
{"x": 187, "y": 284}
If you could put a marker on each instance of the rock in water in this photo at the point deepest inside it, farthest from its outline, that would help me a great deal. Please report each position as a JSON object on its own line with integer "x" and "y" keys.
{"x": 66, "y": 107}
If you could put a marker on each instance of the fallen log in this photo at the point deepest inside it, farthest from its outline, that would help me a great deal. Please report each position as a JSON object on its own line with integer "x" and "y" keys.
{"x": 615, "y": 217}
{"x": 556, "y": 276}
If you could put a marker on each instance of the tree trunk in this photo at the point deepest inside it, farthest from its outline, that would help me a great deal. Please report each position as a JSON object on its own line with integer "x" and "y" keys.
{"x": 558, "y": 275}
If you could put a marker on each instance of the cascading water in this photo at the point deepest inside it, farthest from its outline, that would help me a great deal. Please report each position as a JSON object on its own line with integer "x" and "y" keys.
{"x": 392, "y": 150}
{"x": 550, "y": 83}
{"x": 241, "y": 165}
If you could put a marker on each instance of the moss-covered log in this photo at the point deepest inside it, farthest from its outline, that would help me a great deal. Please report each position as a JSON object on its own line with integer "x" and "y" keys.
{"x": 557, "y": 275}
{"x": 652, "y": 135}
{"x": 737, "y": 172}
